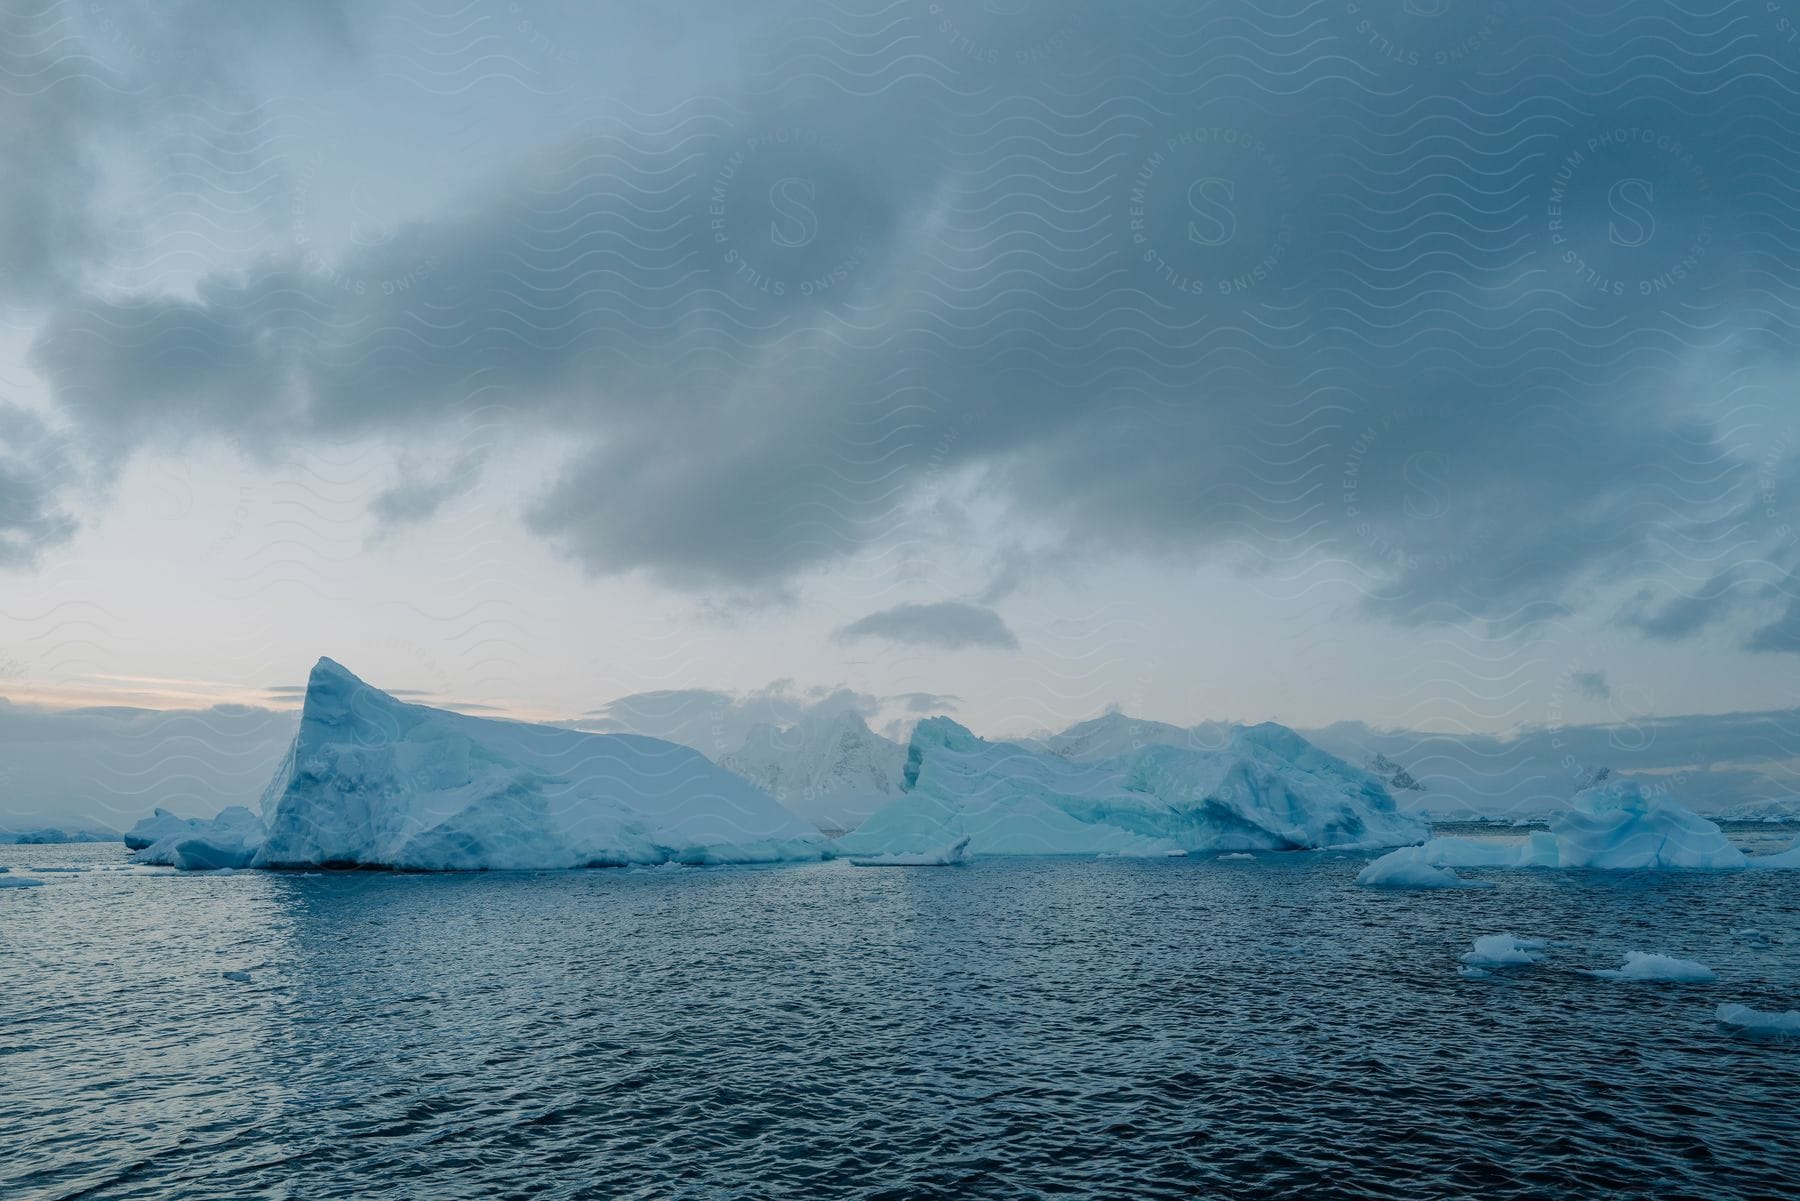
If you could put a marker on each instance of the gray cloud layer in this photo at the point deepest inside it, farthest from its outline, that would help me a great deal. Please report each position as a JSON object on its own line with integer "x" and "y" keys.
{"x": 945, "y": 625}
{"x": 1489, "y": 309}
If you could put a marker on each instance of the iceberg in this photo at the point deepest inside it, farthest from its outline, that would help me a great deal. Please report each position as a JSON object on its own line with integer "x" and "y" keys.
{"x": 49, "y": 835}
{"x": 1642, "y": 965}
{"x": 1759, "y": 1021}
{"x": 371, "y": 781}
{"x": 1411, "y": 867}
{"x": 159, "y": 825}
{"x": 948, "y": 856}
{"x": 230, "y": 840}
{"x": 1614, "y": 826}
{"x": 1618, "y": 826}
{"x": 1503, "y": 950}
{"x": 1268, "y": 789}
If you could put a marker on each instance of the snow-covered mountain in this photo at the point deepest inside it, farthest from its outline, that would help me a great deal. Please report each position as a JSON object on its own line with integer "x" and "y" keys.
{"x": 1776, "y": 809}
{"x": 1114, "y": 734}
{"x": 828, "y": 767}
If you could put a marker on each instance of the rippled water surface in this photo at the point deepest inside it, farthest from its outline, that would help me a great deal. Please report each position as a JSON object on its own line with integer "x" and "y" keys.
{"x": 1174, "y": 1028}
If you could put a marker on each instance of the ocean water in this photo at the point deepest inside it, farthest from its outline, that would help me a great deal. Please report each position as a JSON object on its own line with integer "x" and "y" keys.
{"x": 1008, "y": 1029}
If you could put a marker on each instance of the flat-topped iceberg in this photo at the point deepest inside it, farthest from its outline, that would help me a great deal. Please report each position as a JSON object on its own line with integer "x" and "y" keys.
{"x": 374, "y": 782}
{"x": 1266, "y": 789}
{"x": 1615, "y": 826}
{"x": 229, "y": 840}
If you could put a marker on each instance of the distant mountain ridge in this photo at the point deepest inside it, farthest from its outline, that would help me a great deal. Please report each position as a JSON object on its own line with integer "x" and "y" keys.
{"x": 828, "y": 767}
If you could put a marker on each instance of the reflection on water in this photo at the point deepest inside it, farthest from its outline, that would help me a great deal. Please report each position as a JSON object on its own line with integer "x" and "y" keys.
{"x": 1007, "y": 1029}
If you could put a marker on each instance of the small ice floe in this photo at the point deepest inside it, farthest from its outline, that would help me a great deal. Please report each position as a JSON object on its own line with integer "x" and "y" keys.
{"x": 948, "y": 856}
{"x": 1752, "y": 935}
{"x": 1642, "y": 965}
{"x": 1238, "y": 855}
{"x": 240, "y": 977}
{"x": 11, "y": 881}
{"x": 1177, "y": 853}
{"x": 58, "y": 870}
{"x": 1503, "y": 950}
{"x": 1759, "y": 1021}
{"x": 1784, "y": 861}
{"x": 1412, "y": 867}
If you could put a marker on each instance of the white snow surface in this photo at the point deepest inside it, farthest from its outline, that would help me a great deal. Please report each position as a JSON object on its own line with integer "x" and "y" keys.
{"x": 1268, "y": 789}
{"x": 373, "y": 781}
{"x": 229, "y": 840}
{"x": 1642, "y": 965}
{"x": 948, "y": 856}
{"x": 1616, "y": 826}
{"x": 828, "y": 767}
{"x": 160, "y": 824}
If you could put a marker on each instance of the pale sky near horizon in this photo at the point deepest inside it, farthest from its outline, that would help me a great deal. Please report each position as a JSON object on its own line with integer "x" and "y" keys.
{"x": 1036, "y": 357}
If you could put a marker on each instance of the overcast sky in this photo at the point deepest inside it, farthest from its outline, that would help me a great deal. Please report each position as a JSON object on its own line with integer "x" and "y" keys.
{"x": 1414, "y": 363}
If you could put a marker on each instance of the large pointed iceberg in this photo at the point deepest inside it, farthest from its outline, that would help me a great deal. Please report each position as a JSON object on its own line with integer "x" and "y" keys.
{"x": 374, "y": 782}
{"x": 1267, "y": 789}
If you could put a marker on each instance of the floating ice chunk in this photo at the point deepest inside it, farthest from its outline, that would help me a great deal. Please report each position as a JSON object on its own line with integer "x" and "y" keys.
{"x": 1412, "y": 867}
{"x": 19, "y": 882}
{"x": 1642, "y": 965}
{"x": 1620, "y": 827}
{"x": 372, "y": 781}
{"x": 1758, "y": 1021}
{"x": 229, "y": 840}
{"x": 1615, "y": 826}
{"x": 1503, "y": 950}
{"x": 1238, "y": 855}
{"x": 240, "y": 977}
{"x": 948, "y": 856}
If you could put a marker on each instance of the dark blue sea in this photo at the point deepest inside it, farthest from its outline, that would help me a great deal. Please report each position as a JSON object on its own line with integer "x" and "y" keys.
{"x": 1007, "y": 1029}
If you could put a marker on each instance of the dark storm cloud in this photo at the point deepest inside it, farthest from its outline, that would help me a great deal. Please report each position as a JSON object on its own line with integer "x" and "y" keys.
{"x": 1382, "y": 294}
{"x": 946, "y": 625}
{"x": 34, "y": 474}
{"x": 88, "y": 86}
{"x": 418, "y": 495}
